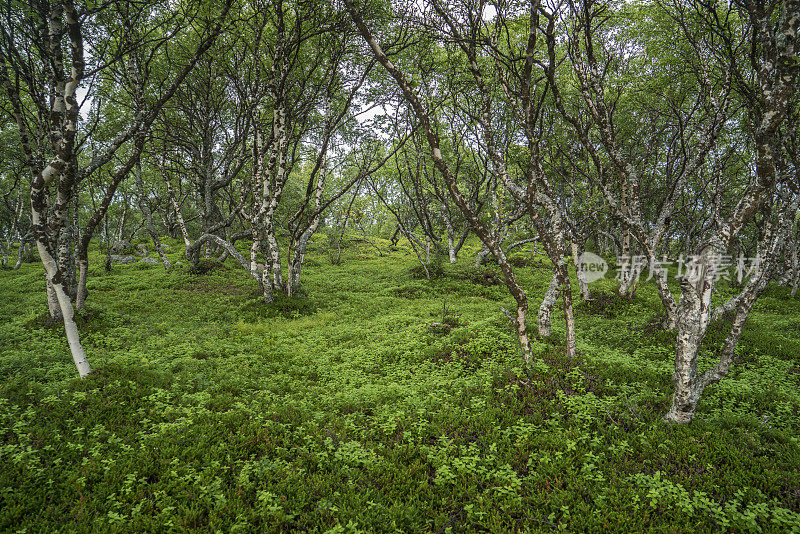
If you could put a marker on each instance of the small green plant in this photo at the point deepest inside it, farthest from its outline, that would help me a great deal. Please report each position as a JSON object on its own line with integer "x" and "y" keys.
{"x": 335, "y": 256}
{"x": 449, "y": 321}
{"x": 292, "y": 307}
{"x": 433, "y": 268}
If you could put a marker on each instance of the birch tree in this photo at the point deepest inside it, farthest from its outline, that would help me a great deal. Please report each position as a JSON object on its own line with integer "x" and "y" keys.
{"x": 203, "y": 131}
{"x": 767, "y": 84}
{"x": 427, "y": 123}
{"x": 42, "y": 88}
{"x": 669, "y": 141}
{"x": 305, "y": 78}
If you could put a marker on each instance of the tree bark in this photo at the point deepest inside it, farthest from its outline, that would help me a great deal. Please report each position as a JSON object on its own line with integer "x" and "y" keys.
{"x": 148, "y": 217}
{"x": 569, "y": 316}
{"x": 546, "y": 307}
{"x": 122, "y": 220}
{"x": 695, "y": 315}
{"x": 434, "y": 143}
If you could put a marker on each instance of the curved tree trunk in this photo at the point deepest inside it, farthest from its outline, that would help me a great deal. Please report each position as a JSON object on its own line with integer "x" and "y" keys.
{"x": 24, "y": 243}
{"x": 667, "y": 298}
{"x": 20, "y": 255}
{"x": 176, "y": 207}
{"x": 483, "y": 256}
{"x": 56, "y": 294}
{"x": 694, "y": 320}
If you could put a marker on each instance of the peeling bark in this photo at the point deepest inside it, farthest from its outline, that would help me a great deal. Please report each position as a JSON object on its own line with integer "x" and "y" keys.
{"x": 546, "y": 307}
{"x": 695, "y": 316}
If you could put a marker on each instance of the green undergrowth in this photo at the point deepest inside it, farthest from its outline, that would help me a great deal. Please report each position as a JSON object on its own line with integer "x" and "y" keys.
{"x": 379, "y": 401}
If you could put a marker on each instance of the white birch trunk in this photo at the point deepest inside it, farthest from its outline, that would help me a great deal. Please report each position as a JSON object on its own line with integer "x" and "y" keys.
{"x": 177, "y": 209}
{"x": 546, "y": 307}
{"x": 570, "y": 344}
{"x": 451, "y": 243}
{"x": 482, "y": 257}
{"x": 695, "y": 315}
{"x": 451, "y": 251}
{"x": 667, "y": 299}
{"x": 64, "y": 304}
{"x": 82, "y": 293}
{"x": 20, "y": 254}
{"x": 52, "y": 301}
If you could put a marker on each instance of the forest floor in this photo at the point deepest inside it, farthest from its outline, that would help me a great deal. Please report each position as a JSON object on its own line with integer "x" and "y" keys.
{"x": 359, "y": 407}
